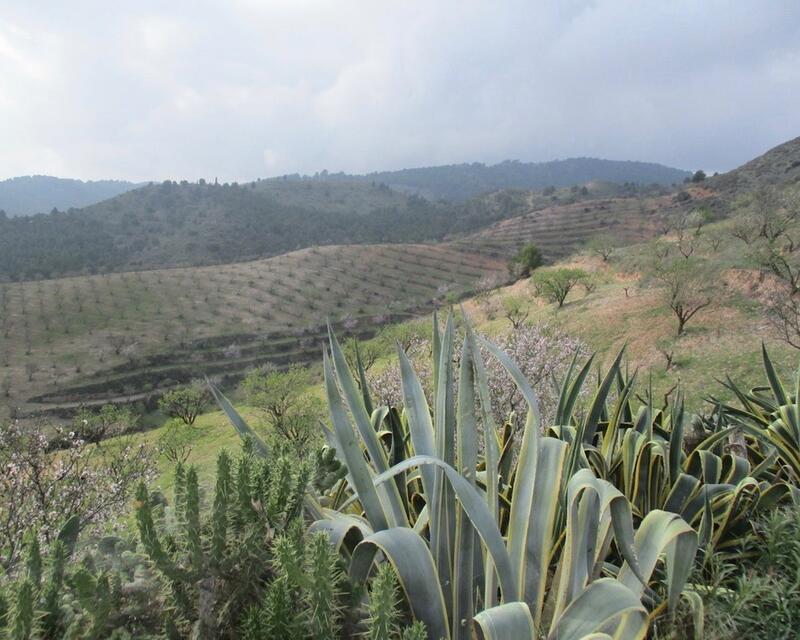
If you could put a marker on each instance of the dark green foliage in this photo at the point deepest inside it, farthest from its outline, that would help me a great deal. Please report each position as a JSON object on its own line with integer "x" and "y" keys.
{"x": 34, "y": 561}
{"x": 185, "y": 403}
{"x": 415, "y": 632}
{"x": 756, "y": 595}
{"x": 323, "y": 591}
{"x": 554, "y": 284}
{"x": 168, "y": 225}
{"x": 525, "y": 261}
{"x": 22, "y": 615}
{"x": 327, "y": 470}
{"x": 52, "y": 618}
{"x": 461, "y": 181}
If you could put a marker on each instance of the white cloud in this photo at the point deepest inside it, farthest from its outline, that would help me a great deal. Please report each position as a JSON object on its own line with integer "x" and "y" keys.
{"x": 250, "y": 87}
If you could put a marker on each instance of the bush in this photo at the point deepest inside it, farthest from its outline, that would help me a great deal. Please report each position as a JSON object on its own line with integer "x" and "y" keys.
{"x": 555, "y": 284}
{"x": 42, "y": 489}
{"x": 525, "y": 261}
{"x": 281, "y": 396}
{"x": 185, "y": 403}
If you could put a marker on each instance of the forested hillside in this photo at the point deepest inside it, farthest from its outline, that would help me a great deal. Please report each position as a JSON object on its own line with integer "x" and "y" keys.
{"x": 27, "y": 195}
{"x": 462, "y": 181}
{"x": 193, "y": 224}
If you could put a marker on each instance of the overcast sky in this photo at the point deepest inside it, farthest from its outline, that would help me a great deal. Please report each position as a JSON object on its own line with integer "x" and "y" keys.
{"x": 248, "y": 88}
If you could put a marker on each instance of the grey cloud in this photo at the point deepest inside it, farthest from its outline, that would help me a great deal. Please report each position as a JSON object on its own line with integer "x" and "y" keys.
{"x": 251, "y": 88}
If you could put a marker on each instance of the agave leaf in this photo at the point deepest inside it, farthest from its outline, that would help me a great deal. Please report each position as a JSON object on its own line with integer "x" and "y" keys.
{"x": 475, "y": 507}
{"x": 367, "y": 432}
{"x": 68, "y": 534}
{"x": 244, "y": 430}
{"x": 351, "y": 451}
{"x": 697, "y": 608}
{"x": 491, "y": 457}
{"x": 676, "y": 438}
{"x": 597, "y": 407}
{"x": 509, "y": 621}
{"x": 413, "y": 564}
{"x": 603, "y": 605}
{"x": 344, "y": 531}
{"x": 362, "y": 380}
{"x": 662, "y": 532}
{"x": 571, "y": 390}
{"x": 774, "y": 380}
{"x": 609, "y": 445}
{"x": 593, "y": 507}
{"x": 420, "y": 425}
{"x": 467, "y": 457}
{"x": 541, "y": 528}
{"x": 443, "y": 508}
{"x": 521, "y": 516}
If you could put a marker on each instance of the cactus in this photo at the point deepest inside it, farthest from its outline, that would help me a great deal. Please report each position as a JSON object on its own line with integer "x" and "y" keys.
{"x": 415, "y": 632}
{"x": 304, "y": 599}
{"x": 51, "y": 622}
{"x": 323, "y": 592}
{"x": 383, "y": 610}
{"x": 34, "y": 561}
{"x": 23, "y": 614}
{"x": 384, "y": 621}
{"x": 217, "y": 565}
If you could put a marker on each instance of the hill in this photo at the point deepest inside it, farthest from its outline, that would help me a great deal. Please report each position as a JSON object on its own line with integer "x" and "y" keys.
{"x": 560, "y": 229}
{"x": 778, "y": 167}
{"x": 28, "y": 195}
{"x": 123, "y": 336}
{"x": 463, "y": 181}
{"x": 169, "y": 225}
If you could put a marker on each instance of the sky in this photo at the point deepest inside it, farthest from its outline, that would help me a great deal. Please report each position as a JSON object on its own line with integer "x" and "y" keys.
{"x": 253, "y": 88}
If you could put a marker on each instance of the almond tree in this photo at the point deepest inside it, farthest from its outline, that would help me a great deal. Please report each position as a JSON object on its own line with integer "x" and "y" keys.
{"x": 41, "y": 489}
{"x": 686, "y": 285}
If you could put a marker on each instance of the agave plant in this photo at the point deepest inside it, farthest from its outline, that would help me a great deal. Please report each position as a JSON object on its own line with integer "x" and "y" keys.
{"x": 769, "y": 416}
{"x": 642, "y": 452}
{"x": 546, "y": 548}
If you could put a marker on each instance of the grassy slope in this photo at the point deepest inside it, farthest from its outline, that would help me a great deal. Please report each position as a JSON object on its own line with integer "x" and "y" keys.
{"x": 724, "y": 339}
{"x": 64, "y": 334}
{"x": 180, "y": 322}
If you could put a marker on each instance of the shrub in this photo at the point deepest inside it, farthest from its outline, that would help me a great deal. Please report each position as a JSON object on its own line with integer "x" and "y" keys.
{"x": 185, "y": 403}
{"x": 554, "y": 284}
{"x": 525, "y": 261}
{"x": 215, "y": 565}
{"x": 520, "y": 567}
{"x": 48, "y": 488}
{"x": 282, "y": 398}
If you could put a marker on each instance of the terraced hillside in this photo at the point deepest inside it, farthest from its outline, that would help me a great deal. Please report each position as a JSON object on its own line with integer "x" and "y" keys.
{"x": 121, "y": 336}
{"x": 559, "y": 230}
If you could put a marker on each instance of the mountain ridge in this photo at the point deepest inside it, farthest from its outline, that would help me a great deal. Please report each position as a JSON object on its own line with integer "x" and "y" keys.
{"x": 465, "y": 180}
{"x": 29, "y": 195}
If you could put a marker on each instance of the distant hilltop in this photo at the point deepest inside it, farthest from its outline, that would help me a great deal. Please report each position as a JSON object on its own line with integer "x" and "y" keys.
{"x": 463, "y": 181}
{"x": 29, "y": 195}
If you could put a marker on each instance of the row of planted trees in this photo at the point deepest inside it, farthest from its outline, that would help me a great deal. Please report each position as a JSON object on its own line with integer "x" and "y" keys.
{"x": 434, "y": 519}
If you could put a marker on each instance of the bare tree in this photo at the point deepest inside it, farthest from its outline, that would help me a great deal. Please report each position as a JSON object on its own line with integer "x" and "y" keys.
{"x": 516, "y": 310}
{"x": 666, "y": 347}
{"x": 783, "y": 312}
{"x": 686, "y": 286}
{"x": 603, "y": 245}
